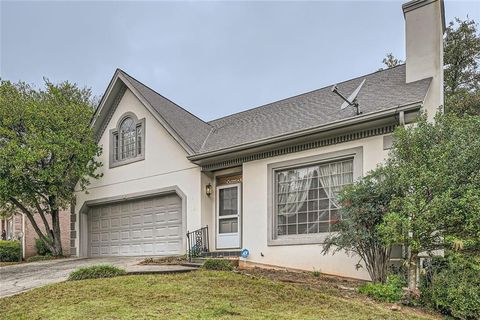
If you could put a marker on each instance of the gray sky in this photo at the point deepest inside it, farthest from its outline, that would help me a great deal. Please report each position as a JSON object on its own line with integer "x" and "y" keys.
{"x": 212, "y": 58}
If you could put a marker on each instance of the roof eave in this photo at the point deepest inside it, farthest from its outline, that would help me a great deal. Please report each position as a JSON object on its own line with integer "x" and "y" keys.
{"x": 100, "y": 114}
{"x": 327, "y": 127}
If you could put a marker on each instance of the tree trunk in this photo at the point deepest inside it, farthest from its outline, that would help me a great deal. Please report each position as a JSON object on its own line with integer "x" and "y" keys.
{"x": 412, "y": 271}
{"x": 56, "y": 234}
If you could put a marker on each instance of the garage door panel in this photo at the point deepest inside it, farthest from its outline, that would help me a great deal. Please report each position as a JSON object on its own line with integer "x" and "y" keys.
{"x": 151, "y": 226}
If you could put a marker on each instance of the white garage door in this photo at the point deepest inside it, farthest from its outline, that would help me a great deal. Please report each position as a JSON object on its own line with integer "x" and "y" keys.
{"x": 148, "y": 226}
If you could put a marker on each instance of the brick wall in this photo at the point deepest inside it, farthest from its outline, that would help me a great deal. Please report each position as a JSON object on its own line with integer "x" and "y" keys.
{"x": 30, "y": 233}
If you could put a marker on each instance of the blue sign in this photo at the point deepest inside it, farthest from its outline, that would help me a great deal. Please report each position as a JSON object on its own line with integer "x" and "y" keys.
{"x": 245, "y": 253}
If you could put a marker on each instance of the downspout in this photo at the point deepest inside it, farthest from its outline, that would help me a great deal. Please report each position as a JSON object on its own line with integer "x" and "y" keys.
{"x": 401, "y": 118}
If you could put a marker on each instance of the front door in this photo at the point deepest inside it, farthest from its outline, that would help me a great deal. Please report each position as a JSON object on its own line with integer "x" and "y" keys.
{"x": 228, "y": 216}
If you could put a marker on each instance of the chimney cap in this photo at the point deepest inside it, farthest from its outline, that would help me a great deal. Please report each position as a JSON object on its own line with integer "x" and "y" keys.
{"x": 415, "y": 4}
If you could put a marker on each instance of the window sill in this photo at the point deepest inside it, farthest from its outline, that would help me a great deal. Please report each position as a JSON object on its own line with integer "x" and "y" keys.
{"x": 298, "y": 239}
{"x": 114, "y": 164}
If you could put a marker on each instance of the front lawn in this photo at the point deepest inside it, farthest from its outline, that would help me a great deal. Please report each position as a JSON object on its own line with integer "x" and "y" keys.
{"x": 195, "y": 295}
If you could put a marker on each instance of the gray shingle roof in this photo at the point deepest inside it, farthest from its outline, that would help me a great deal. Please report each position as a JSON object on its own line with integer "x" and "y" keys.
{"x": 192, "y": 130}
{"x": 382, "y": 90}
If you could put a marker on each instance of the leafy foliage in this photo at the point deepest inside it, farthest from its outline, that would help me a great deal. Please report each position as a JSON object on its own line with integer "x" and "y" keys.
{"x": 95, "y": 272}
{"x": 364, "y": 205}
{"x": 218, "y": 264}
{"x": 391, "y": 291}
{"x": 437, "y": 168}
{"x": 462, "y": 72}
{"x": 461, "y": 67}
{"x": 452, "y": 285}
{"x": 10, "y": 251}
{"x": 46, "y": 147}
{"x": 41, "y": 247}
{"x": 391, "y": 61}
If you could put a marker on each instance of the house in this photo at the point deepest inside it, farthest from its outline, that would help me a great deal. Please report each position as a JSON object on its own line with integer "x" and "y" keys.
{"x": 264, "y": 179}
{"x": 18, "y": 227}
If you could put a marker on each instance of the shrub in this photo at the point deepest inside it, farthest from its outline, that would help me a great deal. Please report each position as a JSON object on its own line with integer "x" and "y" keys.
{"x": 316, "y": 273}
{"x": 10, "y": 251}
{"x": 451, "y": 285}
{"x": 391, "y": 291}
{"x": 40, "y": 258}
{"x": 95, "y": 272}
{"x": 218, "y": 264}
{"x": 42, "y": 249}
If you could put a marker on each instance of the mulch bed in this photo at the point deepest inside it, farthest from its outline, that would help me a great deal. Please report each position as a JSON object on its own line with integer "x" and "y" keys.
{"x": 332, "y": 285}
{"x": 165, "y": 260}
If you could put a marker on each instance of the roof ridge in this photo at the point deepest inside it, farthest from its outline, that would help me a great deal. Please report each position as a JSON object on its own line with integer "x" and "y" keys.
{"x": 301, "y": 94}
{"x": 174, "y": 103}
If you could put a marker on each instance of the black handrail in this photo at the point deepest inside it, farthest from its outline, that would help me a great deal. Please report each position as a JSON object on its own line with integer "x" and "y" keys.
{"x": 197, "y": 242}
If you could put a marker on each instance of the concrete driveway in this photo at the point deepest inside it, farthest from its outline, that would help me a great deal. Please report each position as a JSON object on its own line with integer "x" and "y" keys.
{"x": 22, "y": 277}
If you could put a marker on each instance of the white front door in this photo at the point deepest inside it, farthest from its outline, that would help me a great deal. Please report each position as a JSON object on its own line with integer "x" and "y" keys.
{"x": 228, "y": 216}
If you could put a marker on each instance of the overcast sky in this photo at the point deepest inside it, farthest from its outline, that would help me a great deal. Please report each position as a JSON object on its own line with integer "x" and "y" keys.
{"x": 212, "y": 58}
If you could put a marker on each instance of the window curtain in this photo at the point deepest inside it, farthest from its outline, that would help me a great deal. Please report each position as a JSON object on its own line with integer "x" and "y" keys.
{"x": 330, "y": 182}
{"x": 293, "y": 188}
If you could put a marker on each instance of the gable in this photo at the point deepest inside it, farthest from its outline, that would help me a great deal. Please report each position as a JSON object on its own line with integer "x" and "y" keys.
{"x": 162, "y": 152}
{"x": 188, "y": 130}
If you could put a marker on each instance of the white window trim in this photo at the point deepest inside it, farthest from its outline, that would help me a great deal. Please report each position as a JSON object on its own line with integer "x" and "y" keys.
{"x": 114, "y": 132}
{"x": 318, "y": 238}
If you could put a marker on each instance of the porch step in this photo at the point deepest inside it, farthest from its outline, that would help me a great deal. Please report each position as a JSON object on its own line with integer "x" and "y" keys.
{"x": 222, "y": 254}
{"x": 200, "y": 261}
{"x": 193, "y": 264}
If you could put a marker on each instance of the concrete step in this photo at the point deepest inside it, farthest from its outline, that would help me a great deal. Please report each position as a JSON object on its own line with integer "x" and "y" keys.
{"x": 193, "y": 264}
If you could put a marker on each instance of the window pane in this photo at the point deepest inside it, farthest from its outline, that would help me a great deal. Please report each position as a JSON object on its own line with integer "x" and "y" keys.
{"x": 128, "y": 139}
{"x": 228, "y": 204}
{"x": 303, "y": 228}
{"x": 307, "y": 197}
{"x": 228, "y": 225}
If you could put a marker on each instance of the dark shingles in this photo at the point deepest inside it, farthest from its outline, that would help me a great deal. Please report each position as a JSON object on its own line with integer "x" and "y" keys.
{"x": 192, "y": 130}
{"x": 382, "y": 90}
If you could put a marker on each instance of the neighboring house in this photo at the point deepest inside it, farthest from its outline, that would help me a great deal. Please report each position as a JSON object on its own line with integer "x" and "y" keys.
{"x": 264, "y": 179}
{"x": 18, "y": 224}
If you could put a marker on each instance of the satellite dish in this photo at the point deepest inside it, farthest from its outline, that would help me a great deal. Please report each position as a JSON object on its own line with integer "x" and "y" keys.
{"x": 352, "y": 99}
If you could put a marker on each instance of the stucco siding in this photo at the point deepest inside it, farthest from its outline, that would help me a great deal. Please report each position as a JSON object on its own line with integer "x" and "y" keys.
{"x": 255, "y": 215}
{"x": 165, "y": 165}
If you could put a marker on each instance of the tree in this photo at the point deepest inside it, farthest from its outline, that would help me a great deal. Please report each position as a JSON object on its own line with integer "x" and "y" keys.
{"x": 462, "y": 72}
{"x": 364, "y": 204}
{"x": 436, "y": 167}
{"x": 461, "y": 67}
{"x": 46, "y": 147}
{"x": 391, "y": 61}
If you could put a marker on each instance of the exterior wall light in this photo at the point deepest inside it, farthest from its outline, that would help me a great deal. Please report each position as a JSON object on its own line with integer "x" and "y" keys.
{"x": 208, "y": 189}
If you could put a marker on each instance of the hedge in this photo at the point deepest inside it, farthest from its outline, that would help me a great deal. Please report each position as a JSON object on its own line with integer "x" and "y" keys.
{"x": 10, "y": 251}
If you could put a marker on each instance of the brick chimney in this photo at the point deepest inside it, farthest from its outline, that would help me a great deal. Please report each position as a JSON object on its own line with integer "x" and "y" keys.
{"x": 424, "y": 29}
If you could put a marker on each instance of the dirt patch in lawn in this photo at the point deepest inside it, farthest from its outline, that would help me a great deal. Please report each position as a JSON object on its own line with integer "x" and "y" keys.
{"x": 165, "y": 260}
{"x": 337, "y": 286}
{"x": 330, "y": 285}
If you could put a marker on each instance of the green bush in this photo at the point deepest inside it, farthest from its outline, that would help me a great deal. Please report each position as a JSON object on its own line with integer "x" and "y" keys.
{"x": 451, "y": 285}
{"x": 40, "y": 258}
{"x": 10, "y": 251}
{"x": 218, "y": 264}
{"x": 391, "y": 291}
{"x": 42, "y": 249}
{"x": 95, "y": 272}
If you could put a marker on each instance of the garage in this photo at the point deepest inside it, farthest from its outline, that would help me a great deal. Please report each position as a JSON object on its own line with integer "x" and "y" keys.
{"x": 140, "y": 227}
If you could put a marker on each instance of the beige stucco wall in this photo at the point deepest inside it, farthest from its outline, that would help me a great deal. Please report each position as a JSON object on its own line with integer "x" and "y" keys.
{"x": 306, "y": 257}
{"x": 165, "y": 165}
{"x": 424, "y": 51}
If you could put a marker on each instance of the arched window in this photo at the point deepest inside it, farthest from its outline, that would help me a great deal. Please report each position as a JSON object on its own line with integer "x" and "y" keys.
{"x": 127, "y": 140}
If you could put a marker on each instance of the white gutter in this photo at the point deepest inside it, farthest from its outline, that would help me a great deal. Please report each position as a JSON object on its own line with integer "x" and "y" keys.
{"x": 332, "y": 125}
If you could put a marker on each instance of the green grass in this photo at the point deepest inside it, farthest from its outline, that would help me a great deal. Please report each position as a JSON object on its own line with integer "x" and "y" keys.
{"x": 196, "y": 295}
